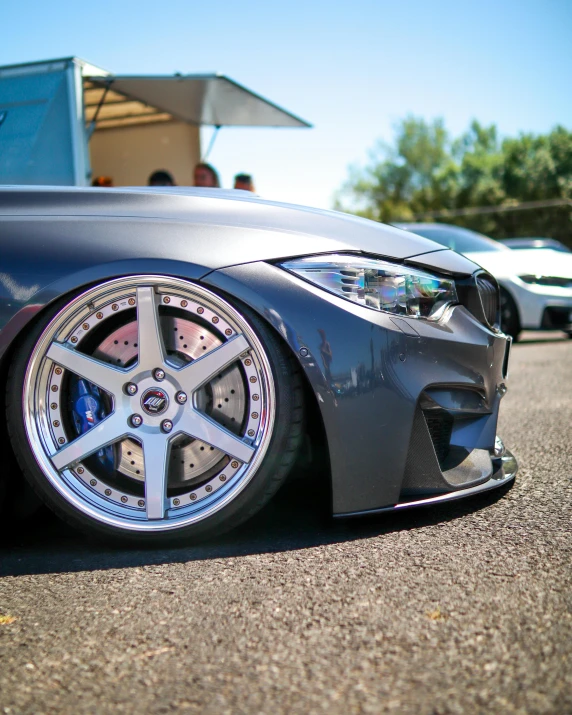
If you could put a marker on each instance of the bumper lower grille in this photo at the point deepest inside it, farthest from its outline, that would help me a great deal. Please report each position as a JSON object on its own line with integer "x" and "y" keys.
{"x": 434, "y": 465}
{"x": 440, "y": 426}
{"x": 557, "y": 318}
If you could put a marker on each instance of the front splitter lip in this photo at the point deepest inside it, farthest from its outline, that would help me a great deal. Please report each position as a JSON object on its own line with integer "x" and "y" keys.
{"x": 504, "y": 474}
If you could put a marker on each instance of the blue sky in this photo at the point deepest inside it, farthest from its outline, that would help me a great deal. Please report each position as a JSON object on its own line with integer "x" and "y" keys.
{"x": 351, "y": 69}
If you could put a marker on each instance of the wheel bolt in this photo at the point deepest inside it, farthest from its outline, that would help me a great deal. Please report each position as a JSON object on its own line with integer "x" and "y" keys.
{"x": 166, "y": 425}
{"x": 181, "y": 398}
{"x": 159, "y": 374}
{"x": 136, "y": 420}
{"x": 131, "y": 388}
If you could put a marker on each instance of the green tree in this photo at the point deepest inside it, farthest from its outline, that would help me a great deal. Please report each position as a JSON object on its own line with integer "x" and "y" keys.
{"x": 416, "y": 173}
{"x": 424, "y": 172}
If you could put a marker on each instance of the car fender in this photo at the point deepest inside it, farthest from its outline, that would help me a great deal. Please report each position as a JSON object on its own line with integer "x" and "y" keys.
{"x": 20, "y": 308}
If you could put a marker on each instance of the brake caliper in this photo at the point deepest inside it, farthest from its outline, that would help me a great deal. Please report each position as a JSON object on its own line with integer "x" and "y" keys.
{"x": 88, "y": 410}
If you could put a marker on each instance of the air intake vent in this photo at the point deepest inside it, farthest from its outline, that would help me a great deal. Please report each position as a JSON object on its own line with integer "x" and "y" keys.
{"x": 440, "y": 425}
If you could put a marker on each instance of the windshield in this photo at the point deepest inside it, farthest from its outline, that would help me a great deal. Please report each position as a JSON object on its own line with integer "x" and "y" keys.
{"x": 530, "y": 243}
{"x": 458, "y": 239}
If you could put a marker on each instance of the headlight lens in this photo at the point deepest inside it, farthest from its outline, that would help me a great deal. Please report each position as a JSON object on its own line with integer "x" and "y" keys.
{"x": 377, "y": 284}
{"x": 552, "y": 281}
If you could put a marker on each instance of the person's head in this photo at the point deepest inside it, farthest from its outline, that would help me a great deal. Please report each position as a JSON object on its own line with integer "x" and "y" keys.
{"x": 102, "y": 181}
{"x": 161, "y": 178}
{"x": 205, "y": 175}
{"x": 244, "y": 182}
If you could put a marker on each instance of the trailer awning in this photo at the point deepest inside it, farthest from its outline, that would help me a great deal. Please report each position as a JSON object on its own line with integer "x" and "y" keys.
{"x": 116, "y": 101}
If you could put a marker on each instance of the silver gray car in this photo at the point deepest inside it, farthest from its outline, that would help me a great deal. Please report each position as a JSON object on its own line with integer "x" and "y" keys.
{"x": 169, "y": 357}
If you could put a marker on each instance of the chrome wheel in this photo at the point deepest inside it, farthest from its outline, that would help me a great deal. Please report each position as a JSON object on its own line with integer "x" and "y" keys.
{"x": 149, "y": 403}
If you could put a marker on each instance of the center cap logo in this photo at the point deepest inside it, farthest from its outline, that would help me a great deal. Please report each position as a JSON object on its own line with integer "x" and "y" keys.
{"x": 154, "y": 401}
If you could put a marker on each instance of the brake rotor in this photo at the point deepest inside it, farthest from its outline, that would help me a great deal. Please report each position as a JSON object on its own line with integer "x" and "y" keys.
{"x": 223, "y": 399}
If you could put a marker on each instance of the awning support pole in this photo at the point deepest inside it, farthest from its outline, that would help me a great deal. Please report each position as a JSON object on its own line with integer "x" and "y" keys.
{"x": 93, "y": 122}
{"x": 211, "y": 143}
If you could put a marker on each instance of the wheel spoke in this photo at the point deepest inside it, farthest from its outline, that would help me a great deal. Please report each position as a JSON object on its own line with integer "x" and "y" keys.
{"x": 150, "y": 337}
{"x": 194, "y": 424}
{"x": 109, "y": 430}
{"x": 156, "y": 450}
{"x": 206, "y": 367}
{"x": 105, "y": 376}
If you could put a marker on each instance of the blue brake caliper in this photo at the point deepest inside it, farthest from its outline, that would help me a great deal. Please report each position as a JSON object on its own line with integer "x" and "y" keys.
{"x": 89, "y": 410}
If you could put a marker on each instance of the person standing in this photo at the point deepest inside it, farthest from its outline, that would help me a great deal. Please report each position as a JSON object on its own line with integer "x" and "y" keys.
{"x": 205, "y": 175}
{"x": 161, "y": 178}
{"x": 244, "y": 182}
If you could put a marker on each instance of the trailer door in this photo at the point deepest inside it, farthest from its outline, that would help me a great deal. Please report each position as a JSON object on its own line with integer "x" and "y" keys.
{"x": 41, "y": 134}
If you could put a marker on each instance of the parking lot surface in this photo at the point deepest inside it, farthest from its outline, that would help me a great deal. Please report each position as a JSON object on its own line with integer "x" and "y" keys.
{"x": 460, "y": 608}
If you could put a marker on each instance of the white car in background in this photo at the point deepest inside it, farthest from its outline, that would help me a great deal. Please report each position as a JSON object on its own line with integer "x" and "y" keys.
{"x": 535, "y": 243}
{"x": 536, "y": 286}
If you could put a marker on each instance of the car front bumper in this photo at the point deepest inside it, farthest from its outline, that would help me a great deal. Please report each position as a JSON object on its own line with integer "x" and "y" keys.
{"x": 505, "y": 471}
{"x": 541, "y": 307}
{"x": 409, "y": 407}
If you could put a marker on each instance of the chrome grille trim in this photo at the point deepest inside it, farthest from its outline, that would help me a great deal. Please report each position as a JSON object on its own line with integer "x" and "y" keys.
{"x": 480, "y": 295}
{"x": 490, "y": 299}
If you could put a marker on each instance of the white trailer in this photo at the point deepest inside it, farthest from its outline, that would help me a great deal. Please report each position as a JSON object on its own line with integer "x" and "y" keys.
{"x": 65, "y": 121}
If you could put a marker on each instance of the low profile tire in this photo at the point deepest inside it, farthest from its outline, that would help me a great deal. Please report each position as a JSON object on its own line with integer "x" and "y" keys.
{"x": 510, "y": 321}
{"x": 3, "y": 489}
{"x": 148, "y": 409}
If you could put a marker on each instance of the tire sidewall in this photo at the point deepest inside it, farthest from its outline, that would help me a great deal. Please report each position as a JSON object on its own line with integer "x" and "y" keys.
{"x": 511, "y": 324}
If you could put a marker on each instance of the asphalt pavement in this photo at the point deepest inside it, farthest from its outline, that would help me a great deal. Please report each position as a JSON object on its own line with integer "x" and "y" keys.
{"x": 461, "y": 608}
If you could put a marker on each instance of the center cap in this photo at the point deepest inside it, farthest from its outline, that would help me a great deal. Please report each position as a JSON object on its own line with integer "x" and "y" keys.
{"x": 154, "y": 401}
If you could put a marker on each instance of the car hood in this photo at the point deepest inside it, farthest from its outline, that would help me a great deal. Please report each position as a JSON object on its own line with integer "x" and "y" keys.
{"x": 216, "y": 228}
{"x": 520, "y": 262}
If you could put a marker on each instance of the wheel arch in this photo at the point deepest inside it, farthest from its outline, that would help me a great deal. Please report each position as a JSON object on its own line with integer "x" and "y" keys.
{"x": 318, "y": 460}
{"x": 68, "y": 284}
{"x": 315, "y": 459}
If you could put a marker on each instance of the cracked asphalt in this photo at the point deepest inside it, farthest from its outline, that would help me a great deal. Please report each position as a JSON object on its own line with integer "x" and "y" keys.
{"x": 460, "y": 608}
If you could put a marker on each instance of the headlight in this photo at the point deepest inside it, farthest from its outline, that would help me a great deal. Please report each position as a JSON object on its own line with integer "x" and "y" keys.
{"x": 378, "y": 284}
{"x": 552, "y": 281}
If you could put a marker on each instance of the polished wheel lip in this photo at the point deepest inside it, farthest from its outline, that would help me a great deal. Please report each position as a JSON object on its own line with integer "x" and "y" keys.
{"x": 79, "y": 493}
{"x": 505, "y": 474}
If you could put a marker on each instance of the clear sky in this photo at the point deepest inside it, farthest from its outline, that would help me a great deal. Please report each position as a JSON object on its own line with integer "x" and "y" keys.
{"x": 351, "y": 69}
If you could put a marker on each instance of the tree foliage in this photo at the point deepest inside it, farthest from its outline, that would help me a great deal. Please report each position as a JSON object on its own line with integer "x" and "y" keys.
{"x": 426, "y": 171}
